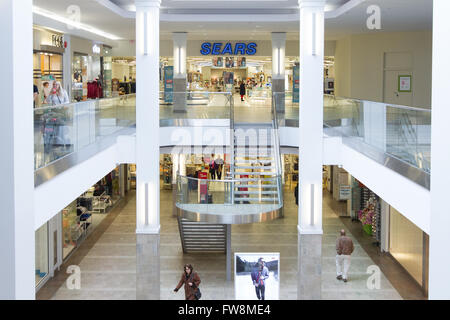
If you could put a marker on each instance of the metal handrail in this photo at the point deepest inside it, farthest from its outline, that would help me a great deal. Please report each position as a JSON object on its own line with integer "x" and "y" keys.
{"x": 276, "y": 139}
{"x": 64, "y": 105}
{"x": 223, "y": 181}
{"x": 232, "y": 169}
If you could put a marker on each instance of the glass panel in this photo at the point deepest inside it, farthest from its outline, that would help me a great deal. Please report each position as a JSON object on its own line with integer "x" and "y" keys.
{"x": 197, "y": 104}
{"x": 63, "y": 129}
{"x": 400, "y": 131}
{"x": 41, "y": 253}
{"x": 70, "y": 228}
{"x": 247, "y": 190}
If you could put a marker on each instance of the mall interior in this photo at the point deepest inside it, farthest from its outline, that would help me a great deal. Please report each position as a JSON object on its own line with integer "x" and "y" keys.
{"x": 280, "y": 124}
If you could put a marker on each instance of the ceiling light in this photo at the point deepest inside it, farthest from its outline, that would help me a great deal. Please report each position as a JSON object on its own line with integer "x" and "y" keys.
{"x": 79, "y": 25}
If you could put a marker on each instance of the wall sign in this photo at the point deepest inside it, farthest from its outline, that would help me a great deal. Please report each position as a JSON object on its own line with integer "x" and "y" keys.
{"x": 96, "y": 49}
{"x": 168, "y": 84}
{"x": 219, "y": 48}
{"x": 57, "y": 41}
{"x": 404, "y": 83}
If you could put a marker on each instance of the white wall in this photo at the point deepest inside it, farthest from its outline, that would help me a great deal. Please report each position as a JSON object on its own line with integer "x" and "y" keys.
{"x": 360, "y": 64}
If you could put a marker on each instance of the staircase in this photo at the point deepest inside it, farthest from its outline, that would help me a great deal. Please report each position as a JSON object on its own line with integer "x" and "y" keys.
{"x": 255, "y": 168}
{"x": 202, "y": 237}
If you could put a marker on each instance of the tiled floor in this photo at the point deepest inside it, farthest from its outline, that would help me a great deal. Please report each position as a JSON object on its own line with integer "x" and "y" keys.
{"x": 108, "y": 258}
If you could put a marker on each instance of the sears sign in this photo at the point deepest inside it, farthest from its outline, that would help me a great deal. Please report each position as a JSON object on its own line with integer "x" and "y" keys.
{"x": 219, "y": 48}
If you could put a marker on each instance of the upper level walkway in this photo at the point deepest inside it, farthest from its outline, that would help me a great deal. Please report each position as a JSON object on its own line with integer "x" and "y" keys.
{"x": 399, "y": 137}
{"x": 373, "y": 141}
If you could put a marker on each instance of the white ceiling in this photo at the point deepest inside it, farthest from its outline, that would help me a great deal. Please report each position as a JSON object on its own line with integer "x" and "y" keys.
{"x": 272, "y": 16}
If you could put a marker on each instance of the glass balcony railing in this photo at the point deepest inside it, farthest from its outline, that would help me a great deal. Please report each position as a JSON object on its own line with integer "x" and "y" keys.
{"x": 63, "y": 129}
{"x": 257, "y": 191}
{"x": 400, "y": 131}
{"x": 195, "y": 105}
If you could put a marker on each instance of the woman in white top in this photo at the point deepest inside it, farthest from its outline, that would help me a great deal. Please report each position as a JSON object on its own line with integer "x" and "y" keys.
{"x": 58, "y": 95}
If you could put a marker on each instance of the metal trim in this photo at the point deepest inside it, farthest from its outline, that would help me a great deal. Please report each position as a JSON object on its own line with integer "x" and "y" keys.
{"x": 230, "y": 219}
{"x": 194, "y": 123}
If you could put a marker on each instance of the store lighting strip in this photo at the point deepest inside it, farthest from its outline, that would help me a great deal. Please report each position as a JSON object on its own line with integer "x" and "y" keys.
{"x": 72, "y": 23}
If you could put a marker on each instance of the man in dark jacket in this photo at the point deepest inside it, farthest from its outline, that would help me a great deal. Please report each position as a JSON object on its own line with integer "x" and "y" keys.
{"x": 242, "y": 90}
{"x": 296, "y": 194}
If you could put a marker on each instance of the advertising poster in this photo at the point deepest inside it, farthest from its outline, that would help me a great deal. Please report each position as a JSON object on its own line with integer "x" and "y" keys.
{"x": 229, "y": 62}
{"x": 168, "y": 84}
{"x": 241, "y": 62}
{"x": 228, "y": 80}
{"x": 217, "y": 62}
{"x": 404, "y": 83}
{"x": 296, "y": 84}
{"x": 257, "y": 276}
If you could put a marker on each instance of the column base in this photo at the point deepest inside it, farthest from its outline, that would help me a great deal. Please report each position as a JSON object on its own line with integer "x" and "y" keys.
{"x": 179, "y": 95}
{"x": 278, "y": 94}
{"x": 309, "y": 267}
{"x": 147, "y": 267}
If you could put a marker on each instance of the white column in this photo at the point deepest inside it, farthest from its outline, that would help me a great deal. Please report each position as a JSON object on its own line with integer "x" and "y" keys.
{"x": 278, "y": 69}
{"x": 67, "y": 66}
{"x": 17, "y": 236}
{"x": 147, "y": 116}
{"x": 147, "y": 150}
{"x": 179, "y": 54}
{"x": 179, "y": 71}
{"x": 439, "y": 257}
{"x": 310, "y": 149}
{"x": 311, "y": 115}
{"x": 278, "y": 54}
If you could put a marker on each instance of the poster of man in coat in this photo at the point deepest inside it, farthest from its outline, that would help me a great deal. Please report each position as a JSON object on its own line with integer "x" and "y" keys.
{"x": 257, "y": 276}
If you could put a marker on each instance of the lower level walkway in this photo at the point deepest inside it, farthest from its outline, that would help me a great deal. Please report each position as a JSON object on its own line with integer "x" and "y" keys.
{"x": 108, "y": 258}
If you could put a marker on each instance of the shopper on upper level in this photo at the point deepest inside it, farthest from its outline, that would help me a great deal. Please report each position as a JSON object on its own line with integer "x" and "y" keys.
{"x": 58, "y": 95}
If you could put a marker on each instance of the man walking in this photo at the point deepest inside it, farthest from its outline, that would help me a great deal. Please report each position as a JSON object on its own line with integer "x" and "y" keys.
{"x": 344, "y": 249}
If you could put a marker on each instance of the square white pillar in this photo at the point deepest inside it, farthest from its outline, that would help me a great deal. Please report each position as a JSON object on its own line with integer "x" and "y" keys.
{"x": 439, "y": 254}
{"x": 147, "y": 116}
{"x": 17, "y": 233}
{"x": 311, "y": 115}
{"x": 310, "y": 149}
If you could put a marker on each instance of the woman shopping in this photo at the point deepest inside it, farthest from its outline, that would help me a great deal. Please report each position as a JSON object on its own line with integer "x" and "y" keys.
{"x": 191, "y": 281}
{"x": 58, "y": 95}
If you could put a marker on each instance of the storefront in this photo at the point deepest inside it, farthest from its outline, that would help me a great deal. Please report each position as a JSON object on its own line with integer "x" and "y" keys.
{"x": 48, "y": 50}
{"x": 57, "y": 239}
{"x": 87, "y": 69}
{"x": 389, "y": 230}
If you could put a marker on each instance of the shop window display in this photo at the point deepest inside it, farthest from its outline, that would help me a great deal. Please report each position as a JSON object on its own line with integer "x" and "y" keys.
{"x": 70, "y": 225}
{"x": 41, "y": 254}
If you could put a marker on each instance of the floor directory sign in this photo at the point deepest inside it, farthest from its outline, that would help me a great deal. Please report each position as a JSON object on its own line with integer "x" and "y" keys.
{"x": 257, "y": 276}
{"x": 168, "y": 84}
{"x": 296, "y": 84}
